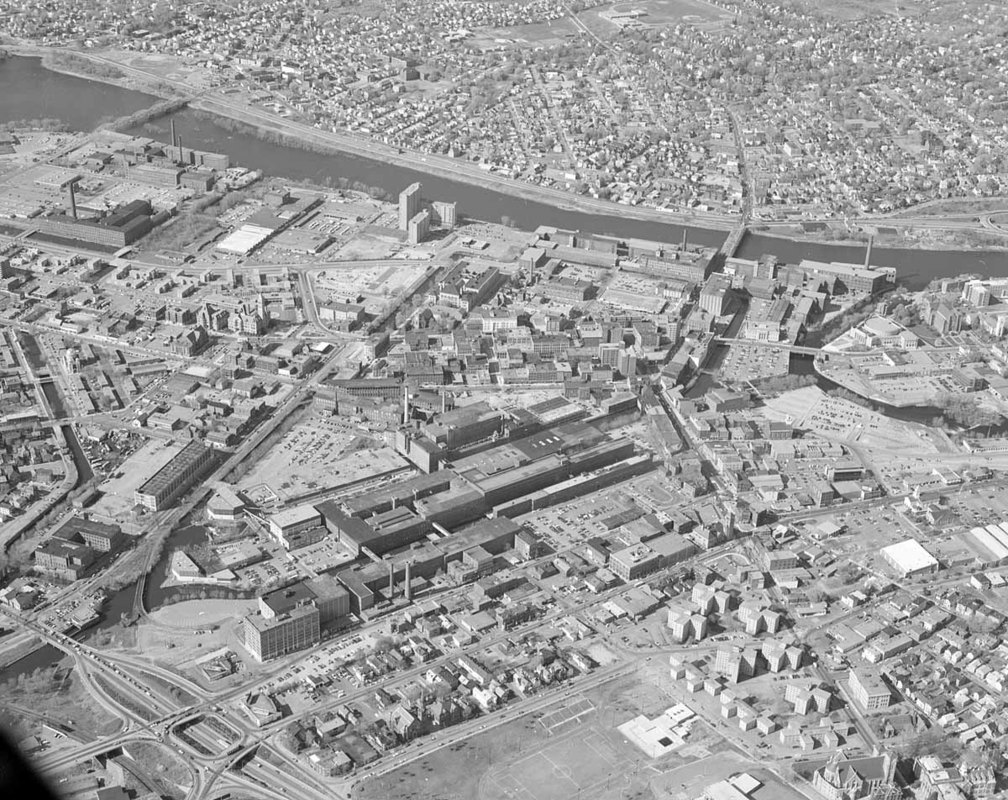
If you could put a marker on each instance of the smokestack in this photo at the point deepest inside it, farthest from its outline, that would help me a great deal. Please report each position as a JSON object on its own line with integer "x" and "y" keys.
{"x": 409, "y": 581}
{"x": 867, "y": 256}
{"x": 73, "y": 199}
{"x": 180, "y": 157}
{"x": 405, "y": 406}
{"x": 391, "y": 580}
{"x": 684, "y": 238}
{"x": 444, "y": 401}
{"x": 173, "y": 139}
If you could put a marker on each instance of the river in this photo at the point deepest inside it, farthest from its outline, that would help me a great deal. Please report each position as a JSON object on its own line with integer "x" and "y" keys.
{"x": 31, "y": 91}
{"x": 914, "y": 268}
{"x": 474, "y": 202}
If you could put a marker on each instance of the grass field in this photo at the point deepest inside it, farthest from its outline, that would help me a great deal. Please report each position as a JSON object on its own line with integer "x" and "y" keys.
{"x": 858, "y": 9}
{"x": 576, "y": 765}
{"x": 670, "y": 12}
{"x": 537, "y": 34}
{"x": 569, "y": 750}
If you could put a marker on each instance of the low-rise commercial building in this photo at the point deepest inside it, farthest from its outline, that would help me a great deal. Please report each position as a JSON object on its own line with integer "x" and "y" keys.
{"x": 869, "y": 689}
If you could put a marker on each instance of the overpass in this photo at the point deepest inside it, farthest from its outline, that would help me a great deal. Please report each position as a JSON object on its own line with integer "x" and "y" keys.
{"x": 791, "y": 348}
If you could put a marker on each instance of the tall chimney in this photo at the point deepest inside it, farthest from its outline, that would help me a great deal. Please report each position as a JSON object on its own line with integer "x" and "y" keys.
{"x": 409, "y": 581}
{"x": 180, "y": 156}
{"x": 73, "y": 199}
{"x": 391, "y": 580}
{"x": 684, "y": 230}
{"x": 867, "y": 256}
{"x": 173, "y": 139}
{"x": 444, "y": 401}
{"x": 405, "y": 405}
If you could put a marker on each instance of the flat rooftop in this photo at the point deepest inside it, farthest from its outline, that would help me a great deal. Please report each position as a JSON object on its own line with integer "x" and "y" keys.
{"x": 170, "y": 472}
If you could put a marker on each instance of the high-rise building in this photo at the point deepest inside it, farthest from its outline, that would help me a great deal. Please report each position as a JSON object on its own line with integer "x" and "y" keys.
{"x": 445, "y": 214}
{"x": 409, "y": 204}
{"x": 714, "y": 295}
{"x": 419, "y": 226}
{"x": 292, "y": 618}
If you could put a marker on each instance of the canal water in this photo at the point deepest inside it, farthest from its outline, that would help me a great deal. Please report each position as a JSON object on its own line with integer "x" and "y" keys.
{"x": 119, "y": 603}
{"x": 43, "y": 658}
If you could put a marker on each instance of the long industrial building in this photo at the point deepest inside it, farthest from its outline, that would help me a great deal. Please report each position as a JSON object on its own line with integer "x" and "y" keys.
{"x": 175, "y": 478}
{"x": 124, "y": 226}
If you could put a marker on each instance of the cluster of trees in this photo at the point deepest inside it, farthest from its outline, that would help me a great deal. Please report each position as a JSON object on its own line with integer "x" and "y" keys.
{"x": 144, "y": 115}
{"x": 204, "y": 555}
{"x": 184, "y": 230}
{"x": 179, "y": 594}
{"x": 784, "y": 383}
{"x": 966, "y": 411}
{"x": 854, "y": 315}
{"x": 906, "y": 314}
{"x": 39, "y": 680}
{"x": 846, "y": 394}
{"x": 46, "y": 124}
{"x": 64, "y": 59}
{"x": 297, "y": 143}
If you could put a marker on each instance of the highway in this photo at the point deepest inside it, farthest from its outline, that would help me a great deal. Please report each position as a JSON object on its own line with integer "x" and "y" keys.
{"x": 213, "y": 773}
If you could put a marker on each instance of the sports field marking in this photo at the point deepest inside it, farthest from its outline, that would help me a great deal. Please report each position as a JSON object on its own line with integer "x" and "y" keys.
{"x": 572, "y": 712}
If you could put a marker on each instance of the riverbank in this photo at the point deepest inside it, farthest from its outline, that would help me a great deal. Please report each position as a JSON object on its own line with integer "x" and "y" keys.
{"x": 36, "y": 91}
{"x": 936, "y": 239}
{"x": 273, "y": 128}
{"x": 47, "y": 59}
{"x": 265, "y": 125}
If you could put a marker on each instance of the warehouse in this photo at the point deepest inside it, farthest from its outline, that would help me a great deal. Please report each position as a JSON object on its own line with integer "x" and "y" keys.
{"x": 909, "y": 558}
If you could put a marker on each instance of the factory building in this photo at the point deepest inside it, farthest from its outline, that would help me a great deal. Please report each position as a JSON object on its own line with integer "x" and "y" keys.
{"x": 292, "y": 618}
{"x": 175, "y": 478}
{"x": 124, "y": 226}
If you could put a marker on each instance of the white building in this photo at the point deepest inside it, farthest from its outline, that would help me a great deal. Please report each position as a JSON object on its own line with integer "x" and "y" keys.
{"x": 909, "y": 558}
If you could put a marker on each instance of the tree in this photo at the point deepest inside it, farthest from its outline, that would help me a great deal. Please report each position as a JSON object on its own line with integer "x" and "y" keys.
{"x": 932, "y": 742}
